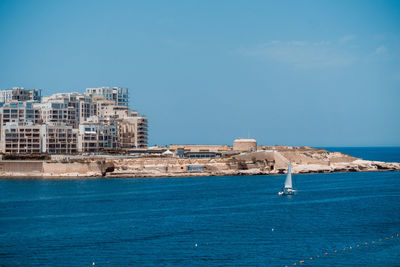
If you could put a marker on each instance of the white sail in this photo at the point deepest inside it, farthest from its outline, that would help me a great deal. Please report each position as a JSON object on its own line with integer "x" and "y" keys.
{"x": 288, "y": 181}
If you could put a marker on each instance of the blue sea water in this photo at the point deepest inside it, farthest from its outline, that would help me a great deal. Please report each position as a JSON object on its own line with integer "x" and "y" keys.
{"x": 202, "y": 221}
{"x": 386, "y": 154}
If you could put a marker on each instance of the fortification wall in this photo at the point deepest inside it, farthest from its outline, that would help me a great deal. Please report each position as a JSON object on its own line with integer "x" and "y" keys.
{"x": 22, "y": 168}
{"x": 16, "y": 166}
{"x": 72, "y": 169}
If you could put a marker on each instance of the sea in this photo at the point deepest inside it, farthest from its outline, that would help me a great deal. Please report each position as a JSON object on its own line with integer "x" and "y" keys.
{"x": 336, "y": 219}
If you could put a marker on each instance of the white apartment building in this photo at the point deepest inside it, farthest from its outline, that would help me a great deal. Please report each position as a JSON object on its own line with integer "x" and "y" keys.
{"x": 67, "y": 108}
{"x": 20, "y": 94}
{"x": 68, "y": 123}
{"x": 19, "y": 112}
{"x": 132, "y": 132}
{"x": 57, "y": 112}
{"x": 60, "y": 140}
{"x": 28, "y": 139}
{"x": 22, "y": 139}
{"x": 96, "y": 136}
{"x": 132, "y": 128}
{"x": 117, "y": 94}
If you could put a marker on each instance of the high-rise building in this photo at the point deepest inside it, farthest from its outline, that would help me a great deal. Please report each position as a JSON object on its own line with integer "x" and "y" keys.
{"x": 22, "y": 139}
{"x": 20, "y": 113}
{"x": 68, "y": 123}
{"x": 117, "y": 94}
{"x": 97, "y": 136}
{"x": 20, "y": 94}
{"x": 60, "y": 140}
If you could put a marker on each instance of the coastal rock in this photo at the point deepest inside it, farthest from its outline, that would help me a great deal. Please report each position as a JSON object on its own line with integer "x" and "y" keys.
{"x": 268, "y": 161}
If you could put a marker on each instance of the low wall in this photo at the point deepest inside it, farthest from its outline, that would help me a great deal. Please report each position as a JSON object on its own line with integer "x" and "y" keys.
{"x": 71, "y": 169}
{"x": 23, "y": 168}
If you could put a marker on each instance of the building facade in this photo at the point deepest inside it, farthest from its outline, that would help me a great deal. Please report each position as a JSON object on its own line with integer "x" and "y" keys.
{"x": 97, "y": 137}
{"x": 60, "y": 140}
{"x": 67, "y": 123}
{"x": 20, "y": 94}
{"x": 117, "y": 94}
{"x": 19, "y": 112}
{"x": 22, "y": 139}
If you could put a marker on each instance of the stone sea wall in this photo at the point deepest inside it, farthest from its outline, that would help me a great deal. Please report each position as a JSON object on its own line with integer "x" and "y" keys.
{"x": 52, "y": 169}
{"x": 304, "y": 160}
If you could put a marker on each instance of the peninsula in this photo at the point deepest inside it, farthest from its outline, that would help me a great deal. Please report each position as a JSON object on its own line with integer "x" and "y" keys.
{"x": 96, "y": 134}
{"x": 264, "y": 161}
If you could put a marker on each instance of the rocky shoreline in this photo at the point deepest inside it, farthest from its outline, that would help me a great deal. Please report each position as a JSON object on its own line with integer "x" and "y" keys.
{"x": 263, "y": 162}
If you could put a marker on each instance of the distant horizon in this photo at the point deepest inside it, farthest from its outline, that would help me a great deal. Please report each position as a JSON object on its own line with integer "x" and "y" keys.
{"x": 291, "y": 73}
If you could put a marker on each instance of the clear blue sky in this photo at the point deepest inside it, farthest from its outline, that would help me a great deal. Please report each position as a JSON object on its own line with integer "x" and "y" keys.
{"x": 318, "y": 73}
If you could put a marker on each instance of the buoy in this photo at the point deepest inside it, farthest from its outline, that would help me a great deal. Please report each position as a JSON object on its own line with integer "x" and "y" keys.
{"x": 272, "y": 229}
{"x": 195, "y": 245}
{"x": 346, "y": 248}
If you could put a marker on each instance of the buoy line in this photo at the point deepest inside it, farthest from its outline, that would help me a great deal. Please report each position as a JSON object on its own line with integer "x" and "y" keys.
{"x": 349, "y": 248}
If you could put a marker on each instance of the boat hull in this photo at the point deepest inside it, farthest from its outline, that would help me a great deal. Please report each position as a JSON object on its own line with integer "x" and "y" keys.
{"x": 287, "y": 192}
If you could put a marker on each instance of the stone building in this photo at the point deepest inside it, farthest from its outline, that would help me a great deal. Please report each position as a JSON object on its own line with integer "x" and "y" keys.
{"x": 245, "y": 145}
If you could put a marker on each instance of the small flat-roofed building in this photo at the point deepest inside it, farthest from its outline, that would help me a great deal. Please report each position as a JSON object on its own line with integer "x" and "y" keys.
{"x": 245, "y": 145}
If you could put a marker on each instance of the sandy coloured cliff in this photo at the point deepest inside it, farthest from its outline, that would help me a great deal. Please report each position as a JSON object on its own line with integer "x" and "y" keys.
{"x": 304, "y": 160}
{"x": 269, "y": 160}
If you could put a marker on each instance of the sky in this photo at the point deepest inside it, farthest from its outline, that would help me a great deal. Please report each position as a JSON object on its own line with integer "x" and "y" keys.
{"x": 314, "y": 73}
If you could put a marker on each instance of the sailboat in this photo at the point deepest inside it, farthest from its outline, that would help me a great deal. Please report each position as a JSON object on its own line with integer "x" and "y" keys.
{"x": 288, "y": 187}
